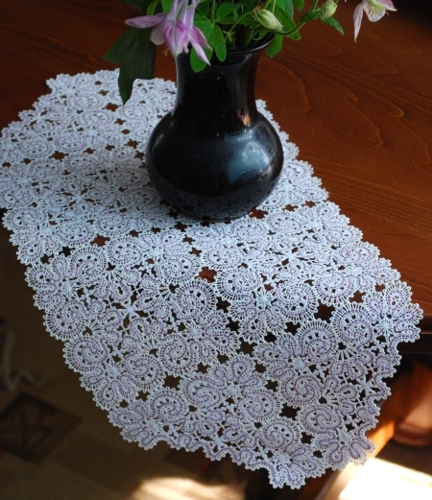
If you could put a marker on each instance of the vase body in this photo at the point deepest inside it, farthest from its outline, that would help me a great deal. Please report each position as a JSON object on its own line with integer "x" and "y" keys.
{"x": 214, "y": 156}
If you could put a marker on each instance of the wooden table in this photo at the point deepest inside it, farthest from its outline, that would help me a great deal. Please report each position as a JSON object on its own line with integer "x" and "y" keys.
{"x": 361, "y": 113}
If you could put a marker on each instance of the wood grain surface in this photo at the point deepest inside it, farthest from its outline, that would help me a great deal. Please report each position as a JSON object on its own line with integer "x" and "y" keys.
{"x": 361, "y": 113}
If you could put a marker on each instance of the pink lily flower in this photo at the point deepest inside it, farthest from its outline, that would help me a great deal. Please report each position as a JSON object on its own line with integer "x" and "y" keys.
{"x": 175, "y": 28}
{"x": 375, "y": 10}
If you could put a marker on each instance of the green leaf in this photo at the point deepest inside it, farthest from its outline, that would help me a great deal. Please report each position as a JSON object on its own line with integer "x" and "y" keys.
{"x": 263, "y": 31}
{"x": 310, "y": 16}
{"x": 247, "y": 5}
{"x": 166, "y": 5}
{"x": 196, "y": 63}
{"x": 202, "y": 9}
{"x": 152, "y": 7}
{"x": 120, "y": 47}
{"x": 247, "y": 20}
{"x": 217, "y": 41}
{"x": 287, "y": 6}
{"x": 299, "y": 4}
{"x": 229, "y": 20}
{"x": 276, "y": 45}
{"x": 332, "y": 22}
{"x": 285, "y": 19}
{"x": 205, "y": 26}
{"x": 225, "y": 10}
{"x": 136, "y": 54}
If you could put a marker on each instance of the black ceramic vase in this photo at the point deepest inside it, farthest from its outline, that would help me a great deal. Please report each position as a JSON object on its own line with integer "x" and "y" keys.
{"x": 214, "y": 156}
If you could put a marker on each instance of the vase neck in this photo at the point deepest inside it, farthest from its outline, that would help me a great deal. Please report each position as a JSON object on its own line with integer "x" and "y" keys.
{"x": 222, "y": 89}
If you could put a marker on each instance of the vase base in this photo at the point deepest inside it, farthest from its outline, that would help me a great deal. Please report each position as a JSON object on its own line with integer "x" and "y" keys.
{"x": 231, "y": 205}
{"x": 224, "y": 177}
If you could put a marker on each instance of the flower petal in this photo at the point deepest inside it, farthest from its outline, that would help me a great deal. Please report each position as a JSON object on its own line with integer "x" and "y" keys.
{"x": 199, "y": 37}
{"x": 198, "y": 41}
{"x": 157, "y": 34}
{"x": 387, "y": 4}
{"x": 175, "y": 28}
{"x": 176, "y": 36}
{"x": 374, "y": 13}
{"x": 145, "y": 21}
{"x": 188, "y": 14}
{"x": 358, "y": 16}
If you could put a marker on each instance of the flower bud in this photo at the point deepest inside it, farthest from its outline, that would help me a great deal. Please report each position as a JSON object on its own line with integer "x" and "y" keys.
{"x": 328, "y": 8}
{"x": 267, "y": 19}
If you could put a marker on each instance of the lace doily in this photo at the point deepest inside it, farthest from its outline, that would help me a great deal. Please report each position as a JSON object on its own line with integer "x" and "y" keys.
{"x": 265, "y": 339}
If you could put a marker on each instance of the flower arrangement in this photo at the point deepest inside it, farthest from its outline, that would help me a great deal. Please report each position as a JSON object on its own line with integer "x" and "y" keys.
{"x": 210, "y": 28}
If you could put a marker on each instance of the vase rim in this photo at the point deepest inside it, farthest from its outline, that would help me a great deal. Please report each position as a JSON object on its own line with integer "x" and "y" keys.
{"x": 257, "y": 46}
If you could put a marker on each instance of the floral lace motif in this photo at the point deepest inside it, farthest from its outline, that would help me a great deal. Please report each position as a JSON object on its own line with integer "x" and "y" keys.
{"x": 265, "y": 339}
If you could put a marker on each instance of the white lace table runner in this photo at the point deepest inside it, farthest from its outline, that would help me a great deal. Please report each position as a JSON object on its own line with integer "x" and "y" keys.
{"x": 203, "y": 335}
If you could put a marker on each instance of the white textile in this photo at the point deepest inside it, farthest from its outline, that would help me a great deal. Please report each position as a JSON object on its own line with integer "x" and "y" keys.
{"x": 266, "y": 339}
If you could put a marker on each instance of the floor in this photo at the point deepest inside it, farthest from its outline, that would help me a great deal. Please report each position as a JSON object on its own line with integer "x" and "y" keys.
{"x": 56, "y": 444}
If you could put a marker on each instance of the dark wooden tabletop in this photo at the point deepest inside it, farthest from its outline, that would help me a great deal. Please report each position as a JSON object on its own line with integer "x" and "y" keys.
{"x": 361, "y": 113}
